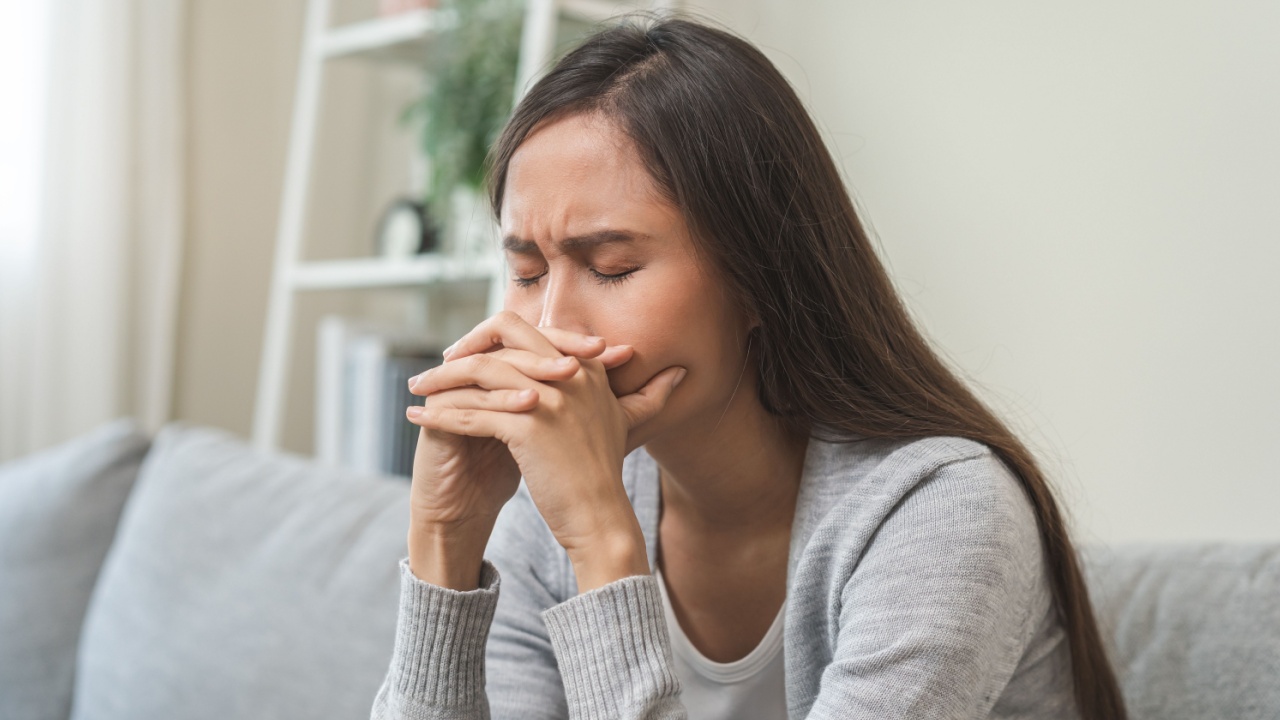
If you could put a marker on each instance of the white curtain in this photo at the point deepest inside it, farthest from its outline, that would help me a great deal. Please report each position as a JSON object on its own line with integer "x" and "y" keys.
{"x": 90, "y": 257}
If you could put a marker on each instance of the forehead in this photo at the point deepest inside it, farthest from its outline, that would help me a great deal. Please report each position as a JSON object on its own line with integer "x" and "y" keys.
{"x": 577, "y": 175}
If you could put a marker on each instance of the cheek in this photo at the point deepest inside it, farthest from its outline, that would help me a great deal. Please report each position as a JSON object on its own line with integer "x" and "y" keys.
{"x": 671, "y": 328}
{"x": 656, "y": 339}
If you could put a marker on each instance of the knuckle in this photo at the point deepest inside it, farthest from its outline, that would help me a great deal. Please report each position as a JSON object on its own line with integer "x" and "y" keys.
{"x": 553, "y": 400}
{"x": 477, "y": 363}
{"x": 509, "y": 318}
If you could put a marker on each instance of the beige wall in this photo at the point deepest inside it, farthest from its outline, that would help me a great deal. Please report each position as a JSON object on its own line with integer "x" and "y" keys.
{"x": 243, "y": 56}
{"x": 1078, "y": 203}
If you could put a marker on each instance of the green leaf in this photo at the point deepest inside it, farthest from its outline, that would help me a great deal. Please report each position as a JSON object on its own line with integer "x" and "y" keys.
{"x": 471, "y": 71}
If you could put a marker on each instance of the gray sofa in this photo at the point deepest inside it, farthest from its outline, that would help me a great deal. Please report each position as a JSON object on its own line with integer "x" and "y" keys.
{"x": 189, "y": 576}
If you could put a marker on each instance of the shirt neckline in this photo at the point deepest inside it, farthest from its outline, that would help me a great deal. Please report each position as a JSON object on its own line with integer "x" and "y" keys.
{"x": 731, "y": 672}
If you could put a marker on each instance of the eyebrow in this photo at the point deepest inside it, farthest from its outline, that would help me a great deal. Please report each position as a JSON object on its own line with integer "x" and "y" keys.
{"x": 520, "y": 246}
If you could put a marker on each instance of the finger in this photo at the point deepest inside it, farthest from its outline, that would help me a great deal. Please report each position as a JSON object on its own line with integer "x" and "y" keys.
{"x": 470, "y": 422}
{"x": 644, "y": 403}
{"x": 499, "y": 369}
{"x": 539, "y": 367}
{"x": 574, "y": 343}
{"x": 612, "y": 356}
{"x": 507, "y": 329}
{"x": 504, "y": 329}
{"x": 615, "y": 355}
{"x": 477, "y": 399}
{"x": 484, "y": 371}
{"x": 563, "y": 367}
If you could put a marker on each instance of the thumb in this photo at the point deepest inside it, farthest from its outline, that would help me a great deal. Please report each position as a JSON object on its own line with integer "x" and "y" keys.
{"x": 644, "y": 403}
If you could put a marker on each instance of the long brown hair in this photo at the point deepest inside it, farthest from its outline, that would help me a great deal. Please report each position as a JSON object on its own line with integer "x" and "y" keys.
{"x": 728, "y": 141}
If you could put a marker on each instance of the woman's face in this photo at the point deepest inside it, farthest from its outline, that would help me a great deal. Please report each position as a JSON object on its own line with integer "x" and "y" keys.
{"x": 593, "y": 248}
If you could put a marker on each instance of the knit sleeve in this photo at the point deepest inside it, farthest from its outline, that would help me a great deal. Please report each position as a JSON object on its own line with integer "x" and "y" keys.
{"x": 558, "y": 654}
{"x": 935, "y": 615}
{"x": 437, "y": 664}
{"x": 614, "y": 652}
{"x": 611, "y": 645}
{"x": 481, "y": 653}
{"x": 523, "y": 679}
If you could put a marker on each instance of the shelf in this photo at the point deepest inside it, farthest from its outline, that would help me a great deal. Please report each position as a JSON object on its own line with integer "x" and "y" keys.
{"x": 592, "y": 11}
{"x": 395, "y": 38}
{"x": 380, "y": 272}
{"x": 402, "y": 38}
{"x": 397, "y": 43}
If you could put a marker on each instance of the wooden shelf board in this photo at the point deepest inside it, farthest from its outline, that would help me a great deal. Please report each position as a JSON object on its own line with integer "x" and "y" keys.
{"x": 399, "y": 38}
{"x": 593, "y": 11}
{"x": 380, "y": 272}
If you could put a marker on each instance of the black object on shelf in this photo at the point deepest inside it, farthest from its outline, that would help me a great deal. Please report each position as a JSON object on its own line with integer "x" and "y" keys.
{"x": 405, "y": 230}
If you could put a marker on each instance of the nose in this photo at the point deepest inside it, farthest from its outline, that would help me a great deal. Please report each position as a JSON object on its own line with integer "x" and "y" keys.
{"x": 562, "y": 305}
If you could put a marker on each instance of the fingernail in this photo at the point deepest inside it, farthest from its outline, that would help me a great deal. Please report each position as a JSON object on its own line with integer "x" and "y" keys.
{"x": 413, "y": 381}
{"x": 565, "y": 361}
{"x": 679, "y": 377}
{"x": 415, "y": 411}
{"x": 594, "y": 339}
{"x": 448, "y": 351}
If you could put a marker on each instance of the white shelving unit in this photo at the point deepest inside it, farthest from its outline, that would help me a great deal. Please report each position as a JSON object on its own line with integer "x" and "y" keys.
{"x": 400, "y": 38}
{"x": 394, "y": 38}
{"x": 375, "y": 272}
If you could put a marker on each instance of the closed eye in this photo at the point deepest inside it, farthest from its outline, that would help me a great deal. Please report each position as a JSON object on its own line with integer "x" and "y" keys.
{"x": 602, "y": 278}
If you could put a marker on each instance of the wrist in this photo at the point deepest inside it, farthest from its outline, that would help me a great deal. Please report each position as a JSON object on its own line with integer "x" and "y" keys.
{"x": 609, "y": 558}
{"x": 448, "y": 556}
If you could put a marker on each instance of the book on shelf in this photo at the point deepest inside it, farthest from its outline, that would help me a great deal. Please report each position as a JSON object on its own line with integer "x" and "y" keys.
{"x": 362, "y": 375}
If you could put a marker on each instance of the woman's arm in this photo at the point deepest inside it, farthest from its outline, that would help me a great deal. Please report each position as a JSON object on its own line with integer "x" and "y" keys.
{"x": 437, "y": 666}
{"x": 480, "y": 652}
{"x": 933, "y": 621}
{"x": 938, "y": 610}
{"x": 550, "y": 654}
{"x": 614, "y": 652}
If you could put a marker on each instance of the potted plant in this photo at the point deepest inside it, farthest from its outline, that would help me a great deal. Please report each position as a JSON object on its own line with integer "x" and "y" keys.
{"x": 470, "y": 85}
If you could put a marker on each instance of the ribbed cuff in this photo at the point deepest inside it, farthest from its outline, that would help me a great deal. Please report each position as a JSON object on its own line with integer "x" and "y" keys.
{"x": 614, "y": 651}
{"x": 441, "y": 634}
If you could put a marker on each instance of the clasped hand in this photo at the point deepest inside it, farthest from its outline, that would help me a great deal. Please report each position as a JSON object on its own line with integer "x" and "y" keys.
{"x": 512, "y": 400}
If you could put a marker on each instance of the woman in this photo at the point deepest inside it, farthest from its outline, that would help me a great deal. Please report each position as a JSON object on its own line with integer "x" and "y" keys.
{"x": 750, "y": 489}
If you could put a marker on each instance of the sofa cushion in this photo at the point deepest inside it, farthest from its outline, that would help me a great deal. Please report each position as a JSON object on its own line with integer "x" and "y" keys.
{"x": 58, "y": 512}
{"x": 244, "y": 584}
{"x": 1194, "y": 629}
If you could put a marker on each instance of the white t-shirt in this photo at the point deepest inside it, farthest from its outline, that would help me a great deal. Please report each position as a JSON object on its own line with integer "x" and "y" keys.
{"x": 751, "y": 688}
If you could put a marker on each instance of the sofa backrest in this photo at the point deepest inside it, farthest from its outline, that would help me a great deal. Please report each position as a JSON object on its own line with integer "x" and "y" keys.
{"x": 244, "y": 584}
{"x": 1194, "y": 628}
{"x": 58, "y": 514}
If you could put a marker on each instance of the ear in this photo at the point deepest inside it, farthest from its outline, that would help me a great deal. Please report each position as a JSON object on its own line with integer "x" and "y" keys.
{"x": 750, "y": 320}
{"x": 753, "y": 329}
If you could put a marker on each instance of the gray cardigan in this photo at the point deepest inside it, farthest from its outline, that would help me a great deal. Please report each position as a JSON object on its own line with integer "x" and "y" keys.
{"x": 916, "y": 588}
